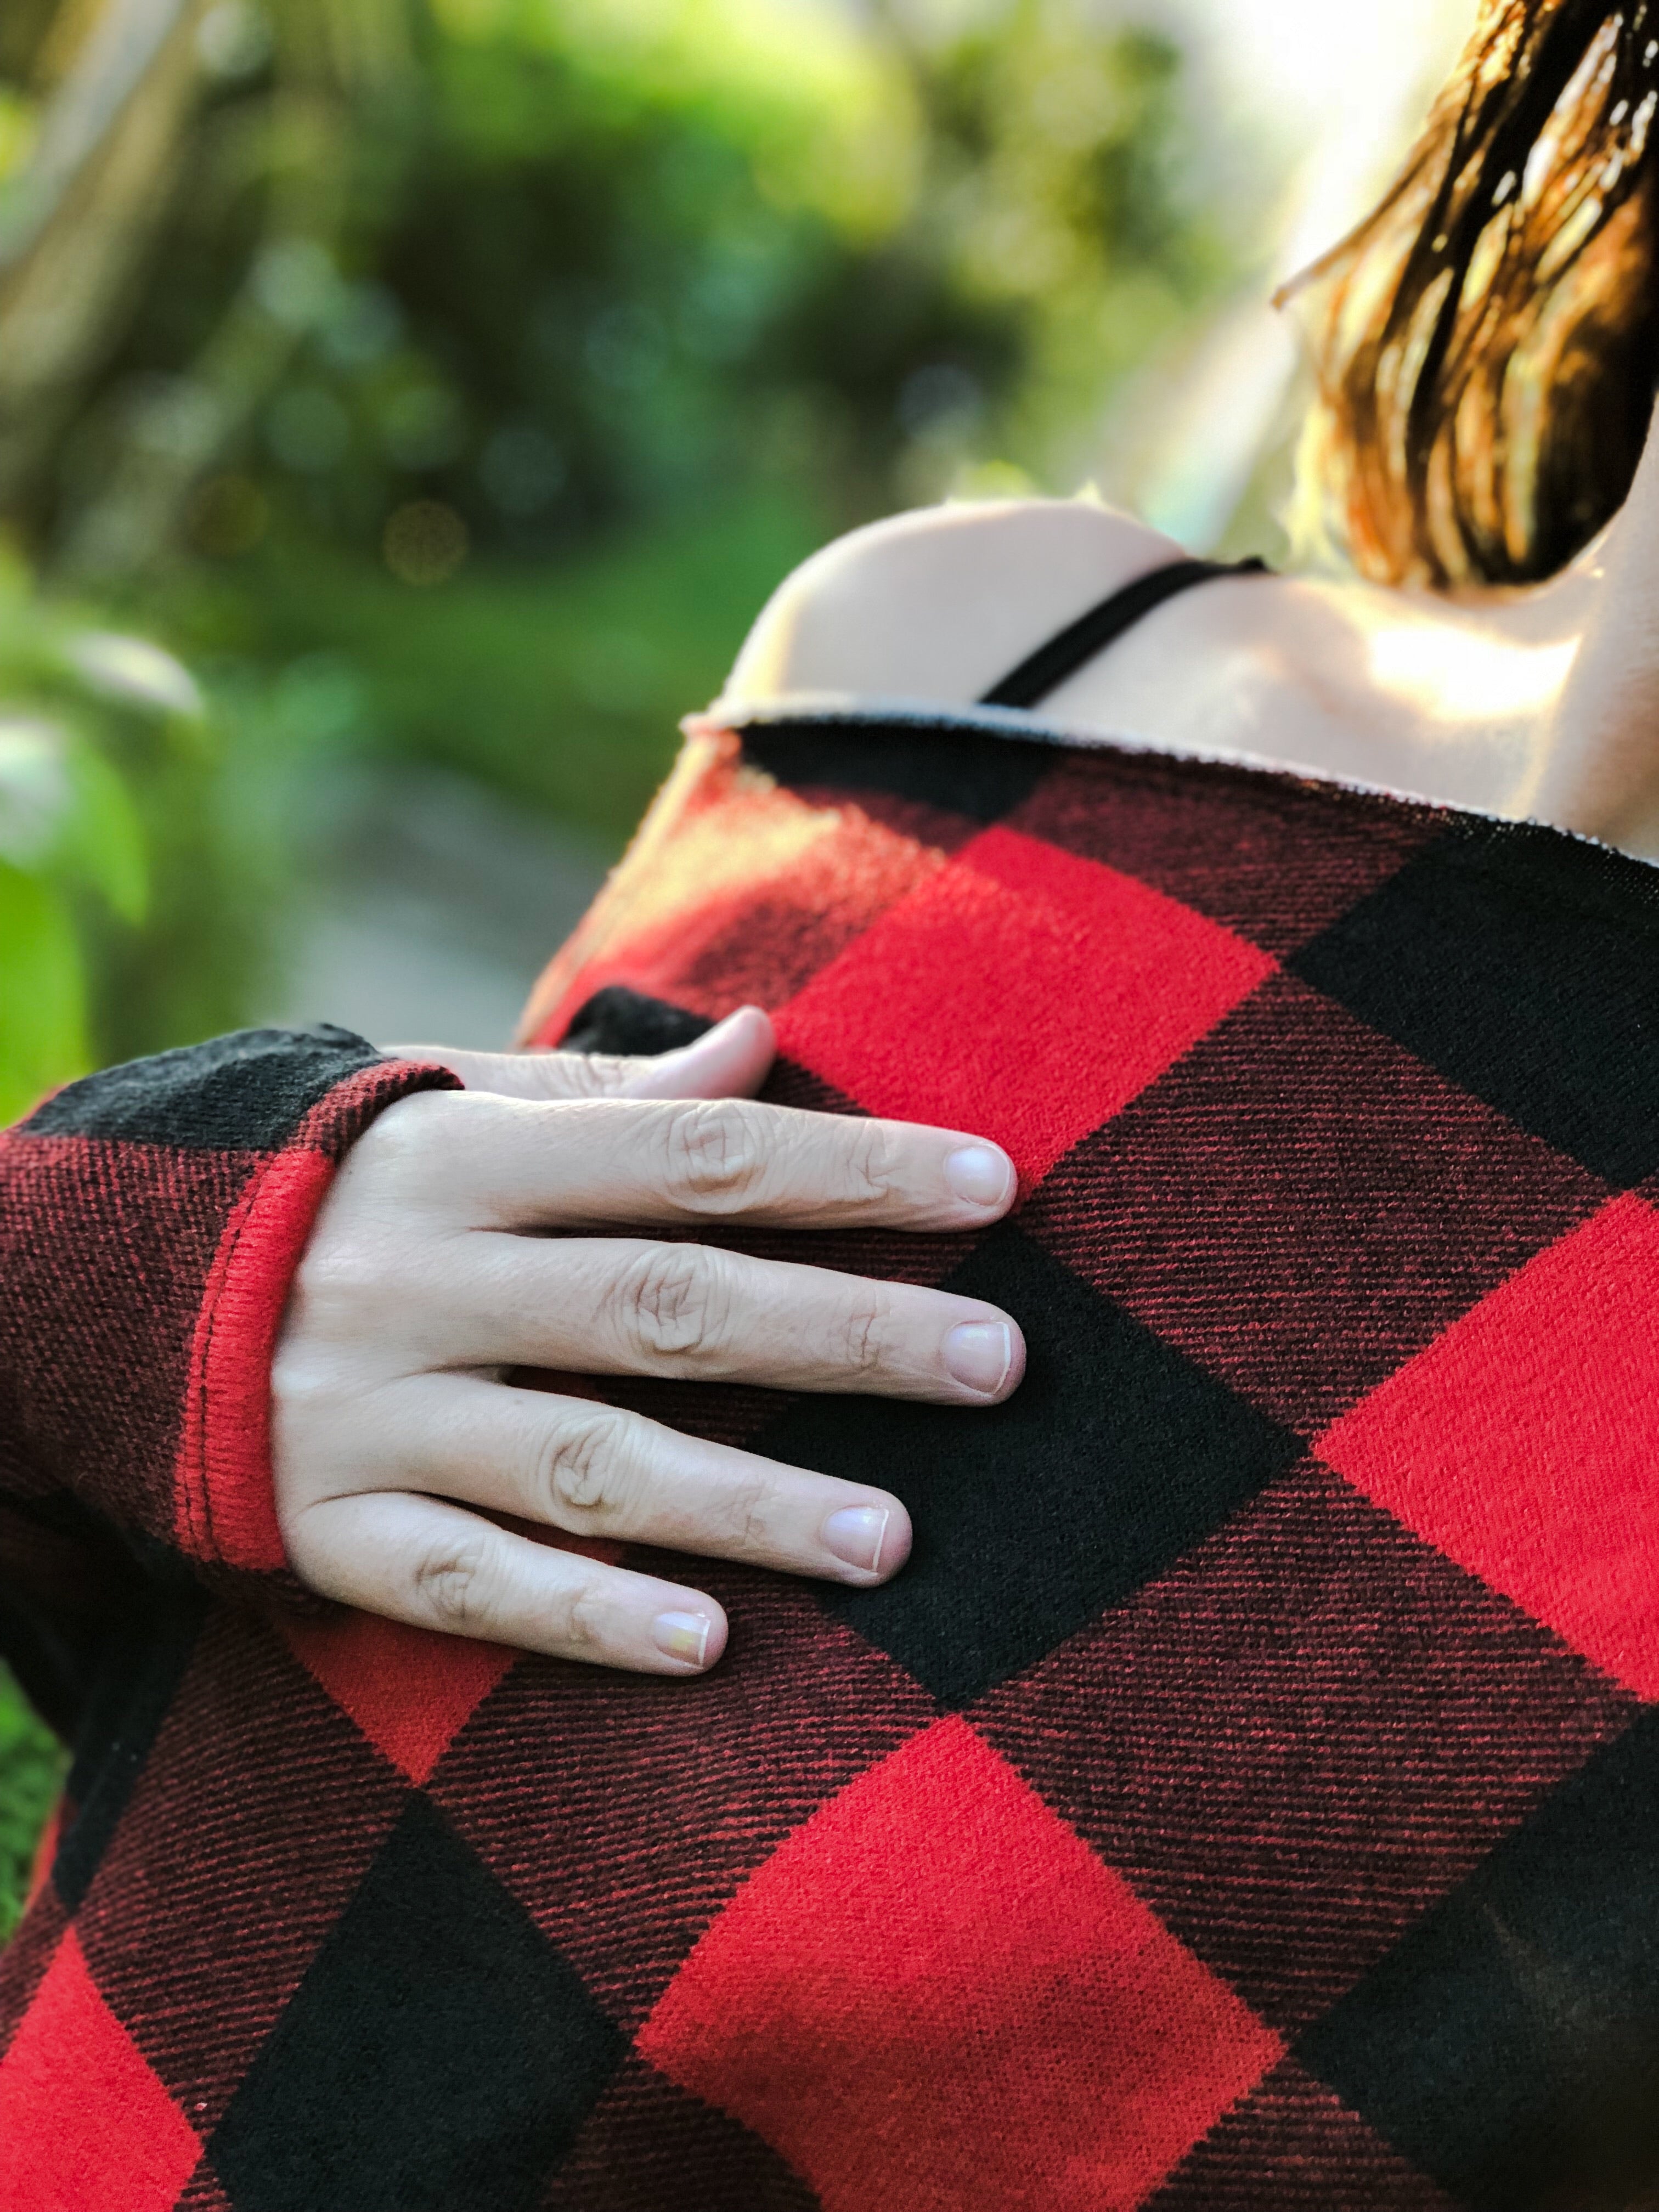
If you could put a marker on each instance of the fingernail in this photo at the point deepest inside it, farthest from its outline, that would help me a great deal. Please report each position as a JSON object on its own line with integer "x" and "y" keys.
{"x": 980, "y": 1353}
{"x": 709, "y": 1036}
{"x": 979, "y": 1175}
{"x": 682, "y": 1635}
{"x": 856, "y": 1534}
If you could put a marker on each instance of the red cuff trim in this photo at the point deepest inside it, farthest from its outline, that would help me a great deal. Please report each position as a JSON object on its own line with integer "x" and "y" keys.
{"x": 225, "y": 1506}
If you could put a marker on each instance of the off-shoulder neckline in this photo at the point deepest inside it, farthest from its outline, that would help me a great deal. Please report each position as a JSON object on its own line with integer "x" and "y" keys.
{"x": 1024, "y": 725}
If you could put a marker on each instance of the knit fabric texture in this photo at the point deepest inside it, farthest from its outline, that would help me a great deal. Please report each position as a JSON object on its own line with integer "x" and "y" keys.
{"x": 1246, "y": 1799}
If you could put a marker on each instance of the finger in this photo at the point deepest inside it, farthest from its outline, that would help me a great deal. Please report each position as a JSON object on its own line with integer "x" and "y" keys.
{"x": 598, "y": 1471}
{"x": 618, "y": 1305}
{"x": 729, "y": 1060}
{"x": 430, "y": 1563}
{"x": 639, "y": 1161}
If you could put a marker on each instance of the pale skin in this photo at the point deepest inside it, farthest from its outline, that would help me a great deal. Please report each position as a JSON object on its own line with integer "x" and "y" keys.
{"x": 1538, "y": 703}
{"x": 424, "y": 1281}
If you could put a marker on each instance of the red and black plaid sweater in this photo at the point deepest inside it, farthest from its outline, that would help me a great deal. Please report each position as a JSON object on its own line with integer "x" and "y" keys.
{"x": 1247, "y": 1799}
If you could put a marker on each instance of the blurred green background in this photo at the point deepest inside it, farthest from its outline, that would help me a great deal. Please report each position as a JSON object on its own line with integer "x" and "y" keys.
{"x": 405, "y": 405}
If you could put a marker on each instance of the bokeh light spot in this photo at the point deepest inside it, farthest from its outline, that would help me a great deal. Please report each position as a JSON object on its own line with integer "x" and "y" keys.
{"x": 308, "y": 430}
{"x": 522, "y": 469}
{"x": 229, "y": 514}
{"x": 425, "y": 542}
{"x": 423, "y": 426}
{"x": 234, "y": 39}
{"x": 364, "y": 323}
{"x": 295, "y": 281}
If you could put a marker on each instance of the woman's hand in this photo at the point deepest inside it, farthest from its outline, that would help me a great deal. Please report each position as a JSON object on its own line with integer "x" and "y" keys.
{"x": 429, "y": 1274}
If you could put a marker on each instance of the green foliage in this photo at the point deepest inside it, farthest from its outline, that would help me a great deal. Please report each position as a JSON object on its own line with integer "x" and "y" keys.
{"x": 43, "y": 1005}
{"x": 560, "y": 682}
{"x": 83, "y": 712}
{"x": 132, "y": 868}
{"x": 31, "y": 1775}
{"x": 499, "y": 383}
{"x": 606, "y": 262}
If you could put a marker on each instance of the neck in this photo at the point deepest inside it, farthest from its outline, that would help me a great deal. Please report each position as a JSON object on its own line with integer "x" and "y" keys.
{"x": 1597, "y": 763}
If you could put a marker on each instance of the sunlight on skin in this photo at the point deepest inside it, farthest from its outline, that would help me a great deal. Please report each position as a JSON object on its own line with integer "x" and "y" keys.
{"x": 1599, "y": 769}
{"x": 1459, "y": 679}
{"x": 1454, "y": 701}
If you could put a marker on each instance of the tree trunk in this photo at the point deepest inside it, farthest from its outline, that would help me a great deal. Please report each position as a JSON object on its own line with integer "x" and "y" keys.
{"x": 76, "y": 224}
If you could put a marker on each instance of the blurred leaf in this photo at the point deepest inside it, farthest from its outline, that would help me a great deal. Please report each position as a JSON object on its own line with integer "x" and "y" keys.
{"x": 37, "y": 794}
{"x": 103, "y": 840}
{"x": 19, "y": 125}
{"x": 66, "y": 814}
{"x": 133, "y": 672}
{"x": 43, "y": 1038}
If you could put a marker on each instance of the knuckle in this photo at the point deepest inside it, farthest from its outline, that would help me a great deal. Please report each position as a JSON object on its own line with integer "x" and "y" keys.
{"x": 582, "y": 1466}
{"x": 714, "y": 1156}
{"x": 449, "y": 1579}
{"x": 406, "y": 1139}
{"x": 673, "y": 1305}
{"x": 589, "y": 1075}
{"x": 305, "y": 1386}
{"x": 339, "y": 1273}
{"x": 579, "y": 1620}
{"x": 866, "y": 1333}
{"x": 748, "y": 1514}
{"x": 872, "y": 1160}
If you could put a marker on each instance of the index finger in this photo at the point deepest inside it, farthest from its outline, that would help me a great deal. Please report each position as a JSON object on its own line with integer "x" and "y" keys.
{"x": 648, "y": 1162}
{"x": 729, "y": 1060}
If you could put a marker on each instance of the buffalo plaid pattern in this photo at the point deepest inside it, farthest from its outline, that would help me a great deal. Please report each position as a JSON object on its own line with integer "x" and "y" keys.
{"x": 1247, "y": 1800}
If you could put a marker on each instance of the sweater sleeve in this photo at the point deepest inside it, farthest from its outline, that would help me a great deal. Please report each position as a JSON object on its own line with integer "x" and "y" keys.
{"x": 151, "y": 1219}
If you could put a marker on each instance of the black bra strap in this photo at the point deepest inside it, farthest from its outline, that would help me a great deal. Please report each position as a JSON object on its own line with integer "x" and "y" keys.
{"x": 1045, "y": 669}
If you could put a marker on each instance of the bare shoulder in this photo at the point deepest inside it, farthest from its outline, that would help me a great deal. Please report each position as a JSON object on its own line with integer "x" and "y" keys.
{"x": 940, "y": 603}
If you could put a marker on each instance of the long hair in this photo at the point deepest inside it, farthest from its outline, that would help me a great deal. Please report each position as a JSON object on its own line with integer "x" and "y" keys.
{"x": 1487, "y": 340}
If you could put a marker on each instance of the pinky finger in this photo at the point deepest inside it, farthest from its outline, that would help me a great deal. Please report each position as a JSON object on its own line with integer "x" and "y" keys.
{"x": 419, "y": 1559}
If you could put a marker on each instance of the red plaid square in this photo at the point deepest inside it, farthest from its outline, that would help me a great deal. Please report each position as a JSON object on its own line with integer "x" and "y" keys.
{"x": 85, "y": 2126}
{"x": 936, "y": 1947}
{"x": 755, "y": 891}
{"x": 408, "y": 1689}
{"x": 1091, "y": 983}
{"x": 1521, "y": 1442}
